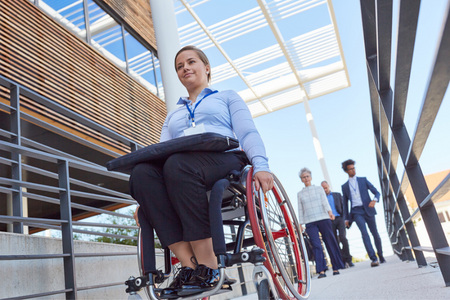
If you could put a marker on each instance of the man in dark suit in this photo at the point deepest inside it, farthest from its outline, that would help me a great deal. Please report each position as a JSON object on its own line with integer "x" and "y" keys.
{"x": 362, "y": 209}
{"x": 338, "y": 224}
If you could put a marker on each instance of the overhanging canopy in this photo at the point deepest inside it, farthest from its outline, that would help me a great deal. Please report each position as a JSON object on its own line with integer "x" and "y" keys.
{"x": 273, "y": 53}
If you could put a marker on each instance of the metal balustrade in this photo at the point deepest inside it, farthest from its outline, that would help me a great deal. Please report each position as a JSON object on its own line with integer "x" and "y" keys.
{"x": 388, "y": 97}
{"x": 48, "y": 176}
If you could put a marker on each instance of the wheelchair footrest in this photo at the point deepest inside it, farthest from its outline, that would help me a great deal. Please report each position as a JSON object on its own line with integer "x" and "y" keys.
{"x": 135, "y": 284}
{"x": 254, "y": 256}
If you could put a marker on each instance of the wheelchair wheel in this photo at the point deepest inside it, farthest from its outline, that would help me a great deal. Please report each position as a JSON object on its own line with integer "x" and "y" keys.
{"x": 276, "y": 230}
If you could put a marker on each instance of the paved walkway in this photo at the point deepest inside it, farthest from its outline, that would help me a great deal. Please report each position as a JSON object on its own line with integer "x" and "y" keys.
{"x": 393, "y": 280}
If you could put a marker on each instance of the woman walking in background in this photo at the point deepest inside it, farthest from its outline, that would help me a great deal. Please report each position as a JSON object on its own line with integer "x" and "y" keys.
{"x": 315, "y": 212}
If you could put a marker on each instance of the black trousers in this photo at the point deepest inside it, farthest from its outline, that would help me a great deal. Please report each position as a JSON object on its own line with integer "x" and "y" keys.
{"x": 172, "y": 194}
{"x": 338, "y": 225}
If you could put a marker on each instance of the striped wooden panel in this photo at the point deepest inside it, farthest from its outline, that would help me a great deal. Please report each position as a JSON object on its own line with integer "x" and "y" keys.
{"x": 136, "y": 14}
{"x": 40, "y": 54}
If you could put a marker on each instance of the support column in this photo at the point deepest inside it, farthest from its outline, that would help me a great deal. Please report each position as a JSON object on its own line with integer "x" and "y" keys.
{"x": 168, "y": 43}
{"x": 316, "y": 142}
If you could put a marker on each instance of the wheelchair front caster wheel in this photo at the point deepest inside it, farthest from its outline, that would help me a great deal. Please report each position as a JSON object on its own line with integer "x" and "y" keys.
{"x": 263, "y": 290}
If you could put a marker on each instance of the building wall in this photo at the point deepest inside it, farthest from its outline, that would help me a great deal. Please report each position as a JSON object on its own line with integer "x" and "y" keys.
{"x": 38, "y": 53}
{"x": 432, "y": 180}
{"x": 442, "y": 206}
{"x": 25, "y": 277}
{"x": 136, "y": 14}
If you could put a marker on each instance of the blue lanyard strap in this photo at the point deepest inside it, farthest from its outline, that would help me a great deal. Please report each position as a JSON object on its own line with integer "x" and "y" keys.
{"x": 192, "y": 112}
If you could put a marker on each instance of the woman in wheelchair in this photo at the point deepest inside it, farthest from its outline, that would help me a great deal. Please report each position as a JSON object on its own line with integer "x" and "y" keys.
{"x": 172, "y": 195}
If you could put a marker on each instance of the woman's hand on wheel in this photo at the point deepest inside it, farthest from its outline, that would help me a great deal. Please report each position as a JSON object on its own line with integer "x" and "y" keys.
{"x": 135, "y": 215}
{"x": 263, "y": 180}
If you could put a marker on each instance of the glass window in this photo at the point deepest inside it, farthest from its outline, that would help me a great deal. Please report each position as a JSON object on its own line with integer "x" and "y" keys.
{"x": 140, "y": 63}
{"x": 69, "y": 13}
{"x": 106, "y": 34}
{"x": 158, "y": 78}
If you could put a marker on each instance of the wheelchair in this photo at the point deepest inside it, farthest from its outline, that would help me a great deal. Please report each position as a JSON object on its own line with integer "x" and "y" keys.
{"x": 268, "y": 235}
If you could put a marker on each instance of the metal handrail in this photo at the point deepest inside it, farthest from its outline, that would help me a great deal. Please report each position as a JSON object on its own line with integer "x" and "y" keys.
{"x": 388, "y": 105}
{"x": 31, "y": 190}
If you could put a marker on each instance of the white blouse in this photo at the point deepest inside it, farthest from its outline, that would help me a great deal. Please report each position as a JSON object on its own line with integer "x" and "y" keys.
{"x": 312, "y": 204}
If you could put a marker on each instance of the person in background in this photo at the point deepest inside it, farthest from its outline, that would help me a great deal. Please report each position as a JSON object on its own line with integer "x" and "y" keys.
{"x": 315, "y": 212}
{"x": 362, "y": 209}
{"x": 338, "y": 224}
{"x": 172, "y": 195}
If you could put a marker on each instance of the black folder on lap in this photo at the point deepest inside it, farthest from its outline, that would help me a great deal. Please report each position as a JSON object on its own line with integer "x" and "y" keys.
{"x": 207, "y": 141}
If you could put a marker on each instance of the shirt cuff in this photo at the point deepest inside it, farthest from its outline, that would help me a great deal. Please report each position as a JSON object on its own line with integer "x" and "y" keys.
{"x": 260, "y": 164}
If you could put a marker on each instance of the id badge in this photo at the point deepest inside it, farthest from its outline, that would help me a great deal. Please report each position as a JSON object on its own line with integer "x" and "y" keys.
{"x": 200, "y": 128}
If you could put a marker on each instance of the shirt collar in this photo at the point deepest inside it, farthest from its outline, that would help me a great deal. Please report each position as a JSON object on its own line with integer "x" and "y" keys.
{"x": 185, "y": 100}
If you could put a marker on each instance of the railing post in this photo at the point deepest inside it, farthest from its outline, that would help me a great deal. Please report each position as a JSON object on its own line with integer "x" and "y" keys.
{"x": 16, "y": 167}
{"x": 411, "y": 230}
{"x": 394, "y": 221}
{"x": 66, "y": 229}
{"x": 133, "y": 147}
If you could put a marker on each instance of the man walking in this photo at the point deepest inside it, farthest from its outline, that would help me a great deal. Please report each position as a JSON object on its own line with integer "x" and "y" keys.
{"x": 362, "y": 209}
{"x": 338, "y": 224}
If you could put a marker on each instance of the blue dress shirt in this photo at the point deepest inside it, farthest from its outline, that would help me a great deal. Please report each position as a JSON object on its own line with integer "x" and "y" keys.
{"x": 223, "y": 112}
{"x": 332, "y": 205}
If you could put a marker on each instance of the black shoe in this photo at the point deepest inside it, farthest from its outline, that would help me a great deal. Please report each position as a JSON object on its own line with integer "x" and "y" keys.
{"x": 322, "y": 275}
{"x": 203, "y": 279}
{"x": 374, "y": 263}
{"x": 336, "y": 273}
{"x": 382, "y": 260}
{"x": 350, "y": 264}
{"x": 182, "y": 276}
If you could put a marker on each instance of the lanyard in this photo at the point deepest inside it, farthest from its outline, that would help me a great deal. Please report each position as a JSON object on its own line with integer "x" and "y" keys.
{"x": 192, "y": 112}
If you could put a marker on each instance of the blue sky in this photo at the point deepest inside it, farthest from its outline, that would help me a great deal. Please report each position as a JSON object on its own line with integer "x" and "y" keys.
{"x": 344, "y": 122}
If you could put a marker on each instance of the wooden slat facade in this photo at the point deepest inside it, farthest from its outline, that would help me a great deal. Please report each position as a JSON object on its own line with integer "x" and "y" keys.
{"x": 136, "y": 14}
{"x": 40, "y": 54}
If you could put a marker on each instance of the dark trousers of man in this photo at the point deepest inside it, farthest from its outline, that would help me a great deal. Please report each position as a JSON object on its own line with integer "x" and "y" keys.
{"x": 324, "y": 227}
{"x": 172, "y": 195}
{"x": 338, "y": 225}
{"x": 361, "y": 219}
